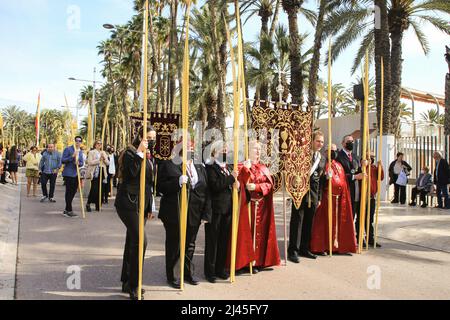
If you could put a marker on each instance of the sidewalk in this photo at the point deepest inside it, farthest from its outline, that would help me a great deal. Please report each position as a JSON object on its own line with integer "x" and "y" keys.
{"x": 9, "y": 231}
{"x": 51, "y": 244}
{"x": 428, "y": 228}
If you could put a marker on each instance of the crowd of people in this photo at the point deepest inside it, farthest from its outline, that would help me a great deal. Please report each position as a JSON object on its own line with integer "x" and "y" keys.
{"x": 210, "y": 187}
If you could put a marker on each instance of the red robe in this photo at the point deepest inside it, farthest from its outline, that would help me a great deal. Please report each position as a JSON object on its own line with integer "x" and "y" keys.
{"x": 346, "y": 239}
{"x": 266, "y": 251}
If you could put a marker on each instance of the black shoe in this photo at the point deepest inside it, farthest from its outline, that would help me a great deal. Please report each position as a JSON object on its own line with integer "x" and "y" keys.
{"x": 308, "y": 255}
{"x": 412, "y": 204}
{"x": 255, "y": 270}
{"x": 174, "y": 283}
{"x": 371, "y": 245}
{"x": 321, "y": 254}
{"x": 126, "y": 288}
{"x": 211, "y": 279}
{"x": 223, "y": 276}
{"x": 88, "y": 208}
{"x": 294, "y": 258}
{"x": 423, "y": 205}
{"x": 70, "y": 214}
{"x": 134, "y": 295}
{"x": 343, "y": 254}
{"x": 394, "y": 201}
{"x": 192, "y": 281}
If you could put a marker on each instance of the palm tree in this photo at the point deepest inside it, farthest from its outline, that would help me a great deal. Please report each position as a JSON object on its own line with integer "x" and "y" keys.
{"x": 292, "y": 8}
{"x": 432, "y": 116}
{"x": 352, "y": 22}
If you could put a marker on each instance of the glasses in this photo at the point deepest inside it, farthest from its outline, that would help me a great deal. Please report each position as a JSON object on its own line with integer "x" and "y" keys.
{"x": 78, "y": 140}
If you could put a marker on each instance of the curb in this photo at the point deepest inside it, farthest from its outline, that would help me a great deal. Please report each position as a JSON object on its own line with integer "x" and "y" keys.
{"x": 9, "y": 236}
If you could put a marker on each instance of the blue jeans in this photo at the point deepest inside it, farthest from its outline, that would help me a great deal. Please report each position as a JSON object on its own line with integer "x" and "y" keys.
{"x": 441, "y": 190}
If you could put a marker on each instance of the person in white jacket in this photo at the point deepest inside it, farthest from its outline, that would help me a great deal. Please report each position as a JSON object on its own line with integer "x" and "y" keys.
{"x": 97, "y": 162}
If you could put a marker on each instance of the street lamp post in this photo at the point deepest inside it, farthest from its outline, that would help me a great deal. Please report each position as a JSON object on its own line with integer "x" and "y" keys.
{"x": 93, "y": 99}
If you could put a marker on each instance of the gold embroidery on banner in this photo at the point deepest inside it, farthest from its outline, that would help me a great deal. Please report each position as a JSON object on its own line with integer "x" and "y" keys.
{"x": 294, "y": 141}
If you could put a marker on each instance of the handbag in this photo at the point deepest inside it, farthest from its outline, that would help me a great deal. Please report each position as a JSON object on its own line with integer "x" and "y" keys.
{"x": 402, "y": 179}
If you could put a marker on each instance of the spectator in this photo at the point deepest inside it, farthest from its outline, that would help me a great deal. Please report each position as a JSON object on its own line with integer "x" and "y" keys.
{"x": 397, "y": 168}
{"x": 49, "y": 167}
{"x": 13, "y": 163}
{"x": 70, "y": 156}
{"x": 441, "y": 180}
{"x": 423, "y": 187}
{"x": 32, "y": 160}
{"x": 97, "y": 161}
{"x": 4, "y": 164}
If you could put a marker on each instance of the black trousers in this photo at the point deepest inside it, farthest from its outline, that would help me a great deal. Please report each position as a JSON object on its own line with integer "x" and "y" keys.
{"x": 399, "y": 191}
{"x": 71, "y": 191}
{"x": 130, "y": 266}
{"x": 371, "y": 223}
{"x": 216, "y": 244}
{"x": 3, "y": 176}
{"x": 173, "y": 249}
{"x": 45, "y": 178}
{"x": 93, "y": 193}
{"x": 106, "y": 189}
{"x": 423, "y": 193}
{"x": 300, "y": 227}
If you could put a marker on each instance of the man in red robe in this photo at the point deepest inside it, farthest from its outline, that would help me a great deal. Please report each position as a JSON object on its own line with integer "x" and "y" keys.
{"x": 257, "y": 240}
{"x": 343, "y": 228}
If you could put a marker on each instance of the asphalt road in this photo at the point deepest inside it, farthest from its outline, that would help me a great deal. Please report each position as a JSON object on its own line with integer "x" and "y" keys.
{"x": 52, "y": 246}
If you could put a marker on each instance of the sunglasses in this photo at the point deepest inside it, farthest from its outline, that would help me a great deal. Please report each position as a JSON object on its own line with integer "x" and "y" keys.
{"x": 78, "y": 140}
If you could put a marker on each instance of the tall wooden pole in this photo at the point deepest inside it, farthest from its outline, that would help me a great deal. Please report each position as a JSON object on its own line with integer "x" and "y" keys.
{"x": 234, "y": 221}
{"x": 185, "y": 125}
{"x": 144, "y": 160}
{"x": 363, "y": 194}
{"x": 369, "y": 191}
{"x": 100, "y": 183}
{"x": 330, "y": 140}
{"x": 243, "y": 101}
{"x": 380, "y": 155}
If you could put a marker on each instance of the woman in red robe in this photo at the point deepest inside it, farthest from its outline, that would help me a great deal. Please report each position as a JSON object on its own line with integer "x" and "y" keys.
{"x": 343, "y": 229}
{"x": 258, "y": 246}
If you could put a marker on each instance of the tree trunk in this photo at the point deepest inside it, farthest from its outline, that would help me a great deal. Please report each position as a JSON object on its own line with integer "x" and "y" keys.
{"x": 447, "y": 105}
{"x": 172, "y": 56}
{"x": 296, "y": 87}
{"x": 315, "y": 62}
{"x": 396, "y": 77}
{"x": 265, "y": 15}
{"x": 382, "y": 49}
{"x": 275, "y": 18}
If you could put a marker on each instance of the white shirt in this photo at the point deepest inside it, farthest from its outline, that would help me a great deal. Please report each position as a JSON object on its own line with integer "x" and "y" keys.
{"x": 223, "y": 166}
{"x": 398, "y": 167}
{"x": 316, "y": 158}
{"x": 192, "y": 173}
{"x": 112, "y": 165}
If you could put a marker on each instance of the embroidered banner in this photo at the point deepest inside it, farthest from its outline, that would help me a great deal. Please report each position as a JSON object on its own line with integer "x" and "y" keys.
{"x": 289, "y": 132}
{"x": 165, "y": 124}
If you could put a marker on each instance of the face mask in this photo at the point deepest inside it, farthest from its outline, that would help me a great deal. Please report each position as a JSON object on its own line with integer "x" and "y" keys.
{"x": 349, "y": 145}
{"x": 151, "y": 144}
{"x": 422, "y": 172}
{"x": 334, "y": 154}
{"x": 189, "y": 155}
{"x": 223, "y": 157}
{"x": 372, "y": 160}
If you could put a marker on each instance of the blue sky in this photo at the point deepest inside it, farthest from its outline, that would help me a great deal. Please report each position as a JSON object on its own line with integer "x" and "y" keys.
{"x": 43, "y": 43}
